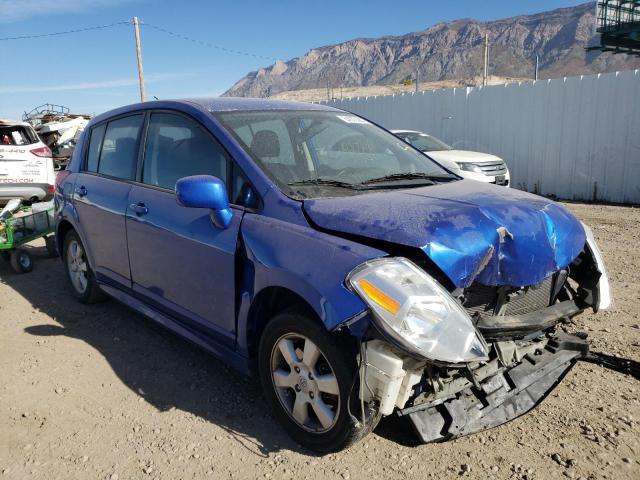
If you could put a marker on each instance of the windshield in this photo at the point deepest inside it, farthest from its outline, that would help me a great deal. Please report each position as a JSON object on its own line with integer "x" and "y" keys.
{"x": 337, "y": 150}
{"x": 426, "y": 143}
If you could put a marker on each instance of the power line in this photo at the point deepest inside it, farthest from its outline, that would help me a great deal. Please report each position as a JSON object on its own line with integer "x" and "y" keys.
{"x": 155, "y": 27}
{"x": 53, "y": 34}
{"x": 206, "y": 44}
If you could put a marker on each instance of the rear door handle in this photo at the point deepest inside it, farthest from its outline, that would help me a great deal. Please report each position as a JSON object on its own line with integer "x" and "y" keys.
{"x": 81, "y": 191}
{"x": 139, "y": 208}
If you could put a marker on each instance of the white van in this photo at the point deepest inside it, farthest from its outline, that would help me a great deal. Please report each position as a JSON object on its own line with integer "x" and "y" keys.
{"x": 26, "y": 164}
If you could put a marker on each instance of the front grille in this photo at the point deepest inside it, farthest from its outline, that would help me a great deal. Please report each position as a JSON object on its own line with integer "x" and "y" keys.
{"x": 481, "y": 300}
{"x": 491, "y": 169}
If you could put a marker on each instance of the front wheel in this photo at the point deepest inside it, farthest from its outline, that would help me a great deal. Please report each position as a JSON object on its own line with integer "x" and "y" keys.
{"x": 308, "y": 379}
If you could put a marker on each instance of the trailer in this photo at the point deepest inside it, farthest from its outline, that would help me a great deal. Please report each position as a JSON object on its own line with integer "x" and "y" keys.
{"x": 20, "y": 225}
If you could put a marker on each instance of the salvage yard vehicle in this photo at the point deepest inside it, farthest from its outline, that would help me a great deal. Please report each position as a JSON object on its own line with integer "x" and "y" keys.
{"x": 26, "y": 164}
{"x": 58, "y": 128}
{"x": 354, "y": 276}
{"x": 482, "y": 167}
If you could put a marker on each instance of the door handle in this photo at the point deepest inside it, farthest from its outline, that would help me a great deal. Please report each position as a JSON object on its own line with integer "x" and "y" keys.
{"x": 139, "y": 208}
{"x": 81, "y": 191}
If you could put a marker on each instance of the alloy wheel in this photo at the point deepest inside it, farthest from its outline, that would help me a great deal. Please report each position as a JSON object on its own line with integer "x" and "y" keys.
{"x": 305, "y": 383}
{"x": 77, "y": 266}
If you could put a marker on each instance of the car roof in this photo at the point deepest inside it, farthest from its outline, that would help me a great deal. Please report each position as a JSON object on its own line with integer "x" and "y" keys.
{"x": 225, "y": 104}
{"x": 215, "y": 105}
{"x": 5, "y": 122}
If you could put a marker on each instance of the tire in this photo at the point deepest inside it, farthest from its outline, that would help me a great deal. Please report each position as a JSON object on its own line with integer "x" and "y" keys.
{"x": 21, "y": 261}
{"x": 316, "y": 414}
{"x": 81, "y": 278}
{"x": 6, "y": 256}
{"x": 50, "y": 243}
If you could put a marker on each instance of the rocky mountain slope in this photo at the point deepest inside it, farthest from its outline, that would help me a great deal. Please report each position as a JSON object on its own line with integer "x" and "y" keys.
{"x": 447, "y": 51}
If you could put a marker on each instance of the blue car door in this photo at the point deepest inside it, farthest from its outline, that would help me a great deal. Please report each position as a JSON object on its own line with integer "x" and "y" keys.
{"x": 101, "y": 196}
{"x": 180, "y": 262}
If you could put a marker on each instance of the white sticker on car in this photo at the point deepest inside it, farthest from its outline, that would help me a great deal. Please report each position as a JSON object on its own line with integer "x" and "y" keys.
{"x": 352, "y": 119}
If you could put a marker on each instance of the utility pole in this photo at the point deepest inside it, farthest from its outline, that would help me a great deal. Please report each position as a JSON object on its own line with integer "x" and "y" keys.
{"x": 139, "y": 53}
{"x": 486, "y": 59}
{"x": 537, "y": 65}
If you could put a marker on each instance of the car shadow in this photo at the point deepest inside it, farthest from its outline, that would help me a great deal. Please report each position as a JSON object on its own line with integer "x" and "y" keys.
{"x": 165, "y": 370}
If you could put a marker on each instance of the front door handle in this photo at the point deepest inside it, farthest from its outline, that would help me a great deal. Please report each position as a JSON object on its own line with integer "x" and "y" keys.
{"x": 139, "y": 208}
{"x": 81, "y": 191}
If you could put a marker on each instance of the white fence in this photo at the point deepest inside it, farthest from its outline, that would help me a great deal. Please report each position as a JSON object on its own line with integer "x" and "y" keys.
{"x": 574, "y": 138}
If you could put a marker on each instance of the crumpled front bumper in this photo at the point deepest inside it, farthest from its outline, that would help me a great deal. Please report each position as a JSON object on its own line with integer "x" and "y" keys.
{"x": 500, "y": 398}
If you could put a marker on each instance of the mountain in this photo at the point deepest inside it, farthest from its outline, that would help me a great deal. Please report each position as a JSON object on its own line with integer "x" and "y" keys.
{"x": 446, "y": 51}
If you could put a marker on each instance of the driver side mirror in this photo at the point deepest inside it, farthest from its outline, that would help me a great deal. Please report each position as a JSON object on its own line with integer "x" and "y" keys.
{"x": 205, "y": 191}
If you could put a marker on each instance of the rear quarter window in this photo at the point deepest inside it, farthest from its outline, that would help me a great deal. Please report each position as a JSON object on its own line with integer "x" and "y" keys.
{"x": 120, "y": 147}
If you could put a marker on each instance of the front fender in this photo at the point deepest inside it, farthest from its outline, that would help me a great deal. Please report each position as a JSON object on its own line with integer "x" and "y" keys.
{"x": 310, "y": 263}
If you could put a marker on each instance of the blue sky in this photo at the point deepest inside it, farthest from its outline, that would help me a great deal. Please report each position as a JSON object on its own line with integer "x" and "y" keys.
{"x": 96, "y": 70}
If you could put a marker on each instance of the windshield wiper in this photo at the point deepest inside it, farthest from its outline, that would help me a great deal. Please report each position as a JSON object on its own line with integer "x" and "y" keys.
{"x": 411, "y": 176}
{"x": 324, "y": 182}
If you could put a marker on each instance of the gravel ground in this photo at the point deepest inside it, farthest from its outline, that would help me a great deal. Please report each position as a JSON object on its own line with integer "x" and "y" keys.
{"x": 100, "y": 392}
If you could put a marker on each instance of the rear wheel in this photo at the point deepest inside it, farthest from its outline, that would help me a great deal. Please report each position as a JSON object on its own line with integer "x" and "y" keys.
{"x": 307, "y": 378}
{"x": 21, "y": 261}
{"x": 81, "y": 277}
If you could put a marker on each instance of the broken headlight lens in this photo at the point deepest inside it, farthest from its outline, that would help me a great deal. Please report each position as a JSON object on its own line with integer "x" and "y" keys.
{"x": 417, "y": 312}
{"x": 604, "y": 290}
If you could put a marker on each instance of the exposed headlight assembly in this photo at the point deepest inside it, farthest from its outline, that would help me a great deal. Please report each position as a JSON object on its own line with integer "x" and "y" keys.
{"x": 469, "y": 167}
{"x": 603, "y": 298}
{"x": 417, "y": 312}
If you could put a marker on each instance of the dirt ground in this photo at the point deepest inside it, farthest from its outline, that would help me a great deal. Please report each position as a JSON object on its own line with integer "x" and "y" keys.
{"x": 100, "y": 392}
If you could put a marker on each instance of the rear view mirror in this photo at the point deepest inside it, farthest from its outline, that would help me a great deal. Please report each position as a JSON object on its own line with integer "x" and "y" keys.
{"x": 205, "y": 191}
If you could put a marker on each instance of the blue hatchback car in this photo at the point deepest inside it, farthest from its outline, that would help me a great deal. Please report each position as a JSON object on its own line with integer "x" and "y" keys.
{"x": 353, "y": 275}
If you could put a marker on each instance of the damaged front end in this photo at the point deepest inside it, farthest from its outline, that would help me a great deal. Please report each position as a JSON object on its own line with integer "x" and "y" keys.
{"x": 462, "y": 361}
{"x": 451, "y": 402}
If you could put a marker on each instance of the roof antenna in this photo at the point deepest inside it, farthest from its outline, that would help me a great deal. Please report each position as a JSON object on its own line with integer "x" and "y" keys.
{"x": 156, "y": 97}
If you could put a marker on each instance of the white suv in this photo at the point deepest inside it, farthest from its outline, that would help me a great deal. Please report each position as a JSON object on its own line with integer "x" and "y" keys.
{"x": 482, "y": 167}
{"x": 26, "y": 164}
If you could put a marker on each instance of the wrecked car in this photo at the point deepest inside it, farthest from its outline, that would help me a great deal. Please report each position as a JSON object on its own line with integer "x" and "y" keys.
{"x": 26, "y": 164}
{"x": 58, "y": 128}
{"x": 354, "y": 276}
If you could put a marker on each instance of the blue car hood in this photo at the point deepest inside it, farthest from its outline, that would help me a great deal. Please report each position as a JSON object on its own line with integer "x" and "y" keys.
{"x": 472, "y": 231}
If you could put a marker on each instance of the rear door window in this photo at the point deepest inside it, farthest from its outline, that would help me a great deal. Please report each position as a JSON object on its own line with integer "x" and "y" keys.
{"x": 120, "y": 147}
{"x": 179, "y": 147}
{"x": 97, "y": 134}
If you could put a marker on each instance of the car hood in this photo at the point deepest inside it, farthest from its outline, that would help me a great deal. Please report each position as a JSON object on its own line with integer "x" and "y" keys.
{"x": 462, "y": 156}
{"x": 472, "y": 231}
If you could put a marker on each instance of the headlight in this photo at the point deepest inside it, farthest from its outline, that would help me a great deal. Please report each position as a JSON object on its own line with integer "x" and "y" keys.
{"x": 469, "y": 167}
{"x": 417, "y": 312}
{"x": 603, "y": 300}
